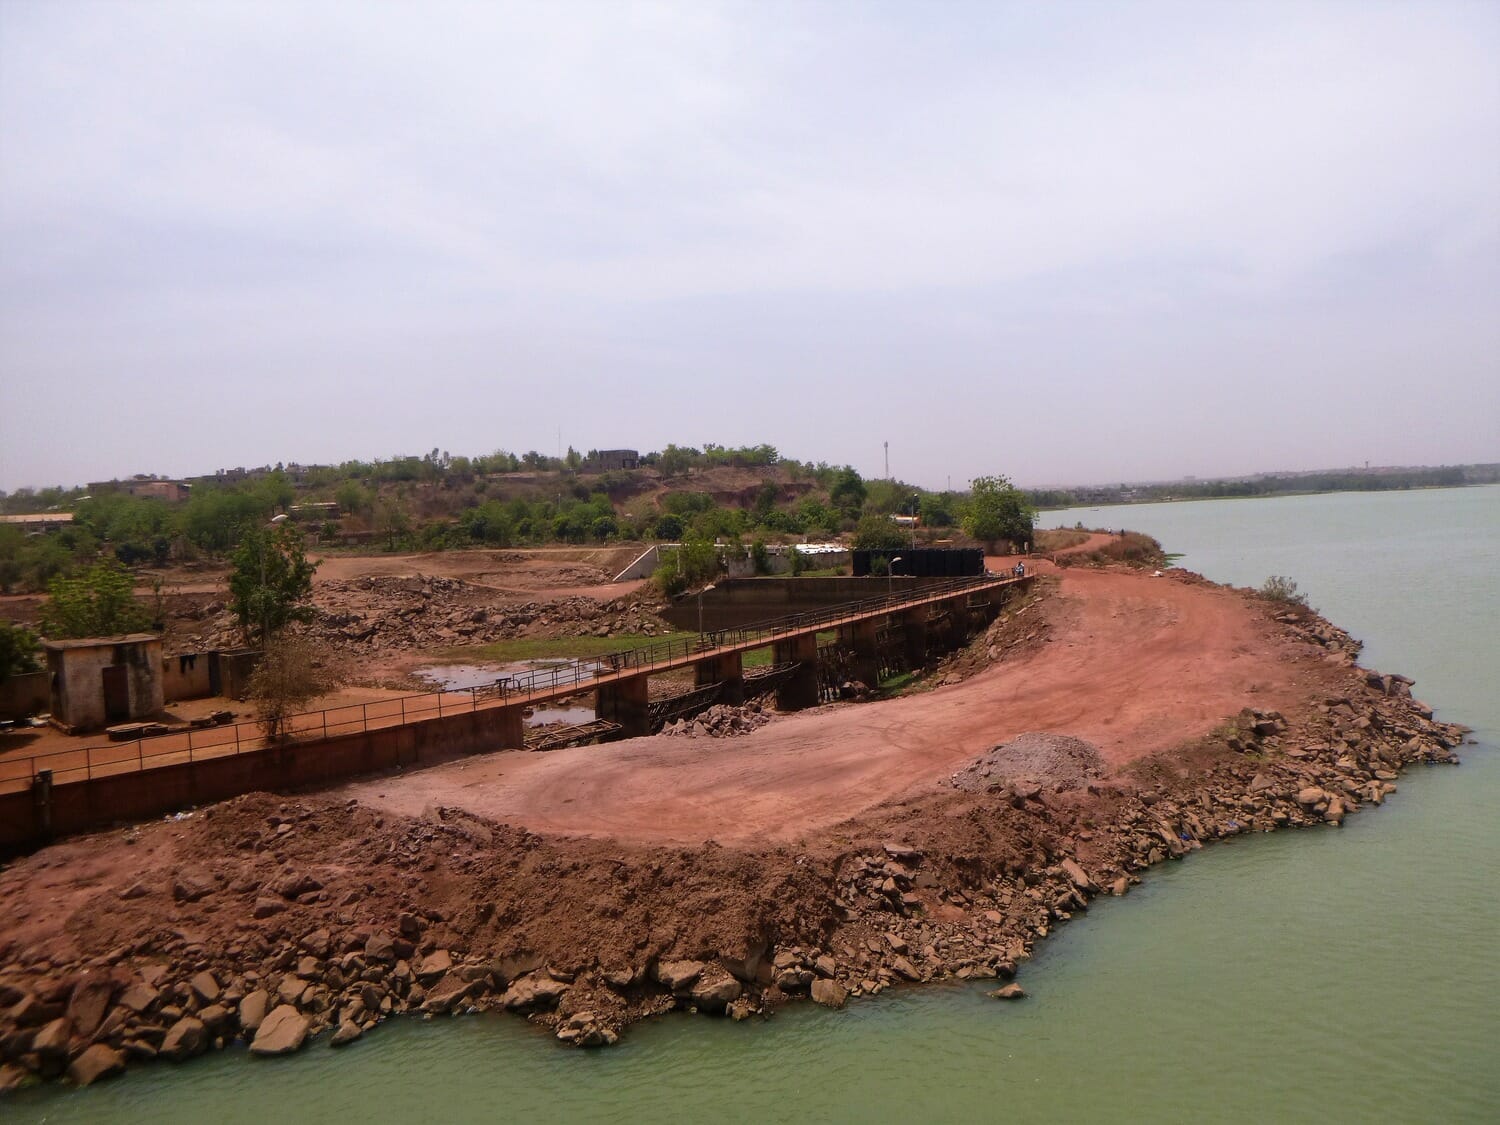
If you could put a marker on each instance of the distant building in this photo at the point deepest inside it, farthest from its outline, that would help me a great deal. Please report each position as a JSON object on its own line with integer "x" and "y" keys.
{"x": 614, "y": 460}
{"x": 34, "y": 523}
{"x": 154, "y": 488}
{"x": 315, "y": 510}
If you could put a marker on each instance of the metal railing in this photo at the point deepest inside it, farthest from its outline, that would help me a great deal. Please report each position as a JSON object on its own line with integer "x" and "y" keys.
{"x": 544, "y": 684}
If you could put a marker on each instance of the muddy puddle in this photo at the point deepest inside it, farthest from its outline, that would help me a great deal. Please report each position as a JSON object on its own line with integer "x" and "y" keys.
{"x": 462, "y": 677}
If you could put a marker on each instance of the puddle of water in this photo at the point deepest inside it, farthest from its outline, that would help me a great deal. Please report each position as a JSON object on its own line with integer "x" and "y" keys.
{"x": 462, "y": 677}
{"x": 570, "y": 715}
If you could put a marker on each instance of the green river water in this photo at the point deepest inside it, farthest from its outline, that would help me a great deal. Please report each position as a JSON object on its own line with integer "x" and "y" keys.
{"x": 1324, "y": 975}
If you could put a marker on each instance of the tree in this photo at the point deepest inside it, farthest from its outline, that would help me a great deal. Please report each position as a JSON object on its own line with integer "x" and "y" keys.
{"x": 391, "y": 521}
{"x": 100, "y": 602}
{"x": 998, "y": 510}
{"x": 17, "y": 650}
{"x": 288, "y": 676}
{"x": 878, "y": 533}
{"x": 272, "y": 580}
{"x": 848, "y": 492}
{"x": 669, "y": 528}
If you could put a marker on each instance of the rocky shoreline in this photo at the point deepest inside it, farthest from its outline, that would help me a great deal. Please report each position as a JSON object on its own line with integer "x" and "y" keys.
{"x": 269, "y": 921}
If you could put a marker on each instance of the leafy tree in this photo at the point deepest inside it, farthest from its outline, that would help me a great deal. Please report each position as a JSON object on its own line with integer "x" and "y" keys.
{"x": 878, "y": 533}
{"x": 998, "y": 510}
{"x": 271, "y": 583}
{"x": 937, "y": 510}
{"x": 848, "y": 492}
{"x": 354, "y": 498}
{"x": 669, "y": 528}
{"x": 17, "y": 650}
{"x": 692, "y": 564}
{"x": 100, "y": 602}
{"x": 760, "y": 557}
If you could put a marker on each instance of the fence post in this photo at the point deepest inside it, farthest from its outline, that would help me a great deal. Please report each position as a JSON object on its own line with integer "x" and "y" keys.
{"x": 325, "y": 724}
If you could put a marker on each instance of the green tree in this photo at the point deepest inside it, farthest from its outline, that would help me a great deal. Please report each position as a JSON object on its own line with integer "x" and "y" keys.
{"x": 848, "y": 493}
{"x": 17, "y": 650}
{"x": 353, "y": 498}
{"x": 878, "y": 533}
{"x": 100, "y": 602}
{"x": 669, "y": 528}
{"x": 271, "y": 583}
{"x": 997, "y": 510}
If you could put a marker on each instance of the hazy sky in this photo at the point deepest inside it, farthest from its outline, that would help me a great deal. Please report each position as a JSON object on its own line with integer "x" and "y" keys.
{"x": 1069, "y": 242}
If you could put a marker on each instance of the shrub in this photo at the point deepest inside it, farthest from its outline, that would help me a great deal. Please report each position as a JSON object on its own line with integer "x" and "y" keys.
{"x": 1279, "y": 588}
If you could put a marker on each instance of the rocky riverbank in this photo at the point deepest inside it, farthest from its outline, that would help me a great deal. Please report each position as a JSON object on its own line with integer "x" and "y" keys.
{"x": 271, "y": 921}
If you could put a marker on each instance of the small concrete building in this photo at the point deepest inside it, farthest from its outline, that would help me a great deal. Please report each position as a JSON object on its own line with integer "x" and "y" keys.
{"x": 100, "y": 681}
{"x": 617, "y": 460}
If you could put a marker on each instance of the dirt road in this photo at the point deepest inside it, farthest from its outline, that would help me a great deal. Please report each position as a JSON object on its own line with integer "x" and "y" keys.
{"x": 1133, "y": 664}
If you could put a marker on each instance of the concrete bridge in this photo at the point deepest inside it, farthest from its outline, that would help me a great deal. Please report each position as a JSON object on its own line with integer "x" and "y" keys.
{"x": 935, "y": 617}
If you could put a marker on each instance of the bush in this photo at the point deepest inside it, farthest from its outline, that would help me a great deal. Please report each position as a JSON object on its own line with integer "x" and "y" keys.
{"x": 1279, "y": 588}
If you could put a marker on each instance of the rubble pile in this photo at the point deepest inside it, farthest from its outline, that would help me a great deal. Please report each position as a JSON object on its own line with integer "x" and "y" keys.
{"x": 722, "y": 720}
{"x": 394, "y": 614}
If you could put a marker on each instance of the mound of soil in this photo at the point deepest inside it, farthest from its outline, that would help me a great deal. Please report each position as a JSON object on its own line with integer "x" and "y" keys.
{"x": 1035, "y": 758}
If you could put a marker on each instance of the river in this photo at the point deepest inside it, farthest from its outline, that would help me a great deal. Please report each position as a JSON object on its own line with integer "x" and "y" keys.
{"x": 1324, "y": 975}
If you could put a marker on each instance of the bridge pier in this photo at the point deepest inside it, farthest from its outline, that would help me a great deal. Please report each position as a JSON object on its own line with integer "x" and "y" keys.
{"x": 625, "y": 701}
{"x": 800, "y": 689}
{"x": 727, "y": 669}
{"x": 913, "y": 624}
{"x": 859, "y": 637}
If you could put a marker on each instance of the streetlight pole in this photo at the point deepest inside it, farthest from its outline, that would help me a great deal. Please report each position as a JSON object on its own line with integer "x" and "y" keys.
{"x": 890, "y": 570}
{"x": 701, "y": 592}
{"x": 914, "y": 501}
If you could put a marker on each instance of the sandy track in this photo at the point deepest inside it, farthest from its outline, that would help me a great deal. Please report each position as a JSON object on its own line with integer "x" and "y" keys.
{"x": 1134, "y": 665}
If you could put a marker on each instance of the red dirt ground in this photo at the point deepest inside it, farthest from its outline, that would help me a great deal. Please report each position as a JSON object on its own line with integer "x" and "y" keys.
{"x": 1133, "y": 664}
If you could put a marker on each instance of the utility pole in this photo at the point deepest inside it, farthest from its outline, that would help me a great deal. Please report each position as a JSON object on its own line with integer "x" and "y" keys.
{"x": 887, "y": 460}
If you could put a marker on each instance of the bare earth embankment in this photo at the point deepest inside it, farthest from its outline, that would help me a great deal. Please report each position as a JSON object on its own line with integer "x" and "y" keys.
{"x": 828, "y": 853}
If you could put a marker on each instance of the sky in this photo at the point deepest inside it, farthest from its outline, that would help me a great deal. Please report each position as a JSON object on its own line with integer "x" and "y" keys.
{"x": 1068, "y": 243}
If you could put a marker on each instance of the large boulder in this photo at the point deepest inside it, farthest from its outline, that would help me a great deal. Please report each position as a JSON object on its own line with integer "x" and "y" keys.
{"x": 205, "y": 987}
{"x": 253, "y": 1009}
{"x": 679, "y": 975}
{"x": 715, "y": 990}
{"x": 89, "y": 1003}
{"x": 190, "y": 886}
{"x": 434, "y": 965}
{"x": 185, "y": 1038}
{"x": 829, "y": 993}
{"x": 99, "y": 1061}
{"x": 281, "y": 1033}
{"x": 534, "y": 992}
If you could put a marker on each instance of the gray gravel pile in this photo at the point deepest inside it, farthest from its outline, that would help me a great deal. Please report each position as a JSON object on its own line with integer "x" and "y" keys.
{"x": 1037, "y": 758}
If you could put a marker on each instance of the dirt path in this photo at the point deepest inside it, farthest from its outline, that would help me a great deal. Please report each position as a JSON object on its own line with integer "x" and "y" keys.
{"x": 1133, "y": 665}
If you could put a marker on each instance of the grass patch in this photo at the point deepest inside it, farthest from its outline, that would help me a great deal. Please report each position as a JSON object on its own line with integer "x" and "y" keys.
{"x": 551, "y": 648}
{"x": 898, "y": 682}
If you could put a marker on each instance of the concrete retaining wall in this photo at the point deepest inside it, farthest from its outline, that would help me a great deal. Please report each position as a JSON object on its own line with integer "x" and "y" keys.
{"x": 746, "y": 601}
